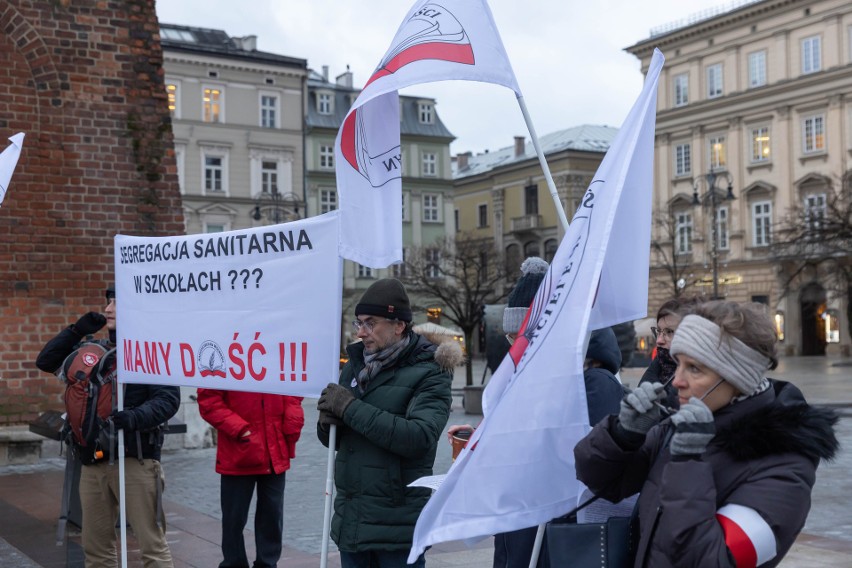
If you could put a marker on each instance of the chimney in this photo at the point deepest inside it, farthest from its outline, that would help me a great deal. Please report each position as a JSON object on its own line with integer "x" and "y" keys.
{"x": 325, "y": 73}
{"x": 520, "y": 146}
{"x": 345, "y": 79}
{"x": 248, "y": 43}
{"x": 461, "y": 160}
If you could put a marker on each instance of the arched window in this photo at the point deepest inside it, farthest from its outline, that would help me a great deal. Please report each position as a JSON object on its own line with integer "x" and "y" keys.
{"x": 550, "y": 246}
{"x": 513, "y": 262}
{"x": 531, "y": 249}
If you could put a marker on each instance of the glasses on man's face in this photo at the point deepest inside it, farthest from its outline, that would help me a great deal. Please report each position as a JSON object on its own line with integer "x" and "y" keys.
{"x": 664, "y": 332}
{"x": 368, "y": 325}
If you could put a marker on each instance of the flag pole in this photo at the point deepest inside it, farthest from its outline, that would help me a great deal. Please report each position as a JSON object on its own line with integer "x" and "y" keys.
{"x": 329, "y": 492}
{"x": 550, "y": 185}
{"x": 122, "y": 502}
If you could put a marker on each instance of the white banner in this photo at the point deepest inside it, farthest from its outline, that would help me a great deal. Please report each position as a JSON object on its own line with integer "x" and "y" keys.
{"x": 251, "y": 310}
{"x": 8, "y": 161}
{"x": 456, "y": 39}
{"x": 518, "y": 468}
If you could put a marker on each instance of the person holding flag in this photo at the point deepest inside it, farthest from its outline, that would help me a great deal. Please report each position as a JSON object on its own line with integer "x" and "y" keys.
{"x": 727, "y": 480}
{"x": 390, "y": 407}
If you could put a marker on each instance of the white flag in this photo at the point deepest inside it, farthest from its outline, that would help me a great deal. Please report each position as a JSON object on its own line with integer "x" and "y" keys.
{"x": 8, "y": 161}
{"x": 455, "y": 39}
{"x": 518, "y": 469}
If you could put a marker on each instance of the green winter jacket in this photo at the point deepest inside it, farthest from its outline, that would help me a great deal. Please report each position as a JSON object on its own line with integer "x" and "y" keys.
{"x": 389, "y": 439}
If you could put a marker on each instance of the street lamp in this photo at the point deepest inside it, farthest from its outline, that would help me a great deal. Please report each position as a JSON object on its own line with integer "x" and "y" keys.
{"x": 711, "y": 198}
{"x": 276, "y": 207}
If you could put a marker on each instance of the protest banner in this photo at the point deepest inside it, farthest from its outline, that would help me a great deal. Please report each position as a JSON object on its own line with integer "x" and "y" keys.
{"x": 253, "y": 310}
{"x": 8, "y": 161}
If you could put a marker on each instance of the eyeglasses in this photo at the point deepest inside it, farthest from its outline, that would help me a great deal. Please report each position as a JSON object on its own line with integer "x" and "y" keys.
{"x": 368, "y": 325}
{"x": 664, "y": 332}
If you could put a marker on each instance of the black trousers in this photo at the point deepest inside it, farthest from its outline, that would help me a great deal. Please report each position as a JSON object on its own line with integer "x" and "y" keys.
{"x": 235, "y": 493}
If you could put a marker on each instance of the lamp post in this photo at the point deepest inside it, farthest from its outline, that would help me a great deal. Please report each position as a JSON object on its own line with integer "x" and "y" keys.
{"x": 711, "y": 198}
{"x": 276, "y": 207}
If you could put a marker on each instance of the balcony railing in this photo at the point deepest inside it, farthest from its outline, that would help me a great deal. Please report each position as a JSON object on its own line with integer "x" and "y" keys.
{"x": 526, "y": 223}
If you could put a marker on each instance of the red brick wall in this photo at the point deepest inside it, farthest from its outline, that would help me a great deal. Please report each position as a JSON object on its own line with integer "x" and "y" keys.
{"x": 84, "y": 80}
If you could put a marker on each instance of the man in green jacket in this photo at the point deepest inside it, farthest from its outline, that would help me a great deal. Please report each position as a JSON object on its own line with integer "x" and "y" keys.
{"x": 390, "y": 406}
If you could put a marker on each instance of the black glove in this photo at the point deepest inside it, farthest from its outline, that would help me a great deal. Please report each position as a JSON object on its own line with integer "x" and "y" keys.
{"x": 123, "y": 420}
{"x": 334, "y": 399}
{"x": 694, "y": 429}
{"x": 639, "y": 413}
{"x": 90, "y": 323}
{"x": 327, "y": 419}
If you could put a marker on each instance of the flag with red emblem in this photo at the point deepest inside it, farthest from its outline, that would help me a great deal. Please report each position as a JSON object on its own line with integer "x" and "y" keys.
{"x": 456, "y": 39}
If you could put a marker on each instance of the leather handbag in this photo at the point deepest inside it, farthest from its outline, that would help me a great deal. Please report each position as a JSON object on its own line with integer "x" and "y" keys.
{"x": 609, "y": 544}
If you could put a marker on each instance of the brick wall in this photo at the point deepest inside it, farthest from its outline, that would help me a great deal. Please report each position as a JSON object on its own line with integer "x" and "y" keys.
{"x": 84, "y": 80}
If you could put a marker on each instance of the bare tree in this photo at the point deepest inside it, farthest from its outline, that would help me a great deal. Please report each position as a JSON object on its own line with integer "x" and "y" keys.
{"x": 818, "y": 239}
{"x": 677, "y": 268}
{"x": 463, "y": 274}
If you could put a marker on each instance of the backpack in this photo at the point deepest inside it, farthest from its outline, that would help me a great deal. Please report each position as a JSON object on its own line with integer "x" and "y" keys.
{"x": 89, "y": 374}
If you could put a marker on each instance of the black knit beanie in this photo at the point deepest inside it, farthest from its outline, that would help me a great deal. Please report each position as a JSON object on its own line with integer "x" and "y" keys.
{"x": 110, "y": 292}
{"x": 385, "y": 298}
{"x": 533, "y": 270}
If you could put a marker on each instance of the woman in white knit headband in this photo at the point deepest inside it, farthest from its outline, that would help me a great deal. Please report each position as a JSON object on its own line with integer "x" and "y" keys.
{"x": 726, "y": 480}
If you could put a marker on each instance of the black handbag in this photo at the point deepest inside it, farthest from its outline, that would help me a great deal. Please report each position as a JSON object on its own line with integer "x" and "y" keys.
{"x": 610, "y": 544}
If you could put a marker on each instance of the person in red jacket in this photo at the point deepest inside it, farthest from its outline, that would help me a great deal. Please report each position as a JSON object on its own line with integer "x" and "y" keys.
{"x": 257, "y": 435}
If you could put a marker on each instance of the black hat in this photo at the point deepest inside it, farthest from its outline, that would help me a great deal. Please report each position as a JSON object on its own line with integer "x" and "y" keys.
{"x": 532, "y": 273}
{"x": 385, "y": 298}
{"x": 110, "y": 292}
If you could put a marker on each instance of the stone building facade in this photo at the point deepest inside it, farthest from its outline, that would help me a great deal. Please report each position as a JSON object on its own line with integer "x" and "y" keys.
{"x": 84, "y": 81}
{"x": 756, "y": 99}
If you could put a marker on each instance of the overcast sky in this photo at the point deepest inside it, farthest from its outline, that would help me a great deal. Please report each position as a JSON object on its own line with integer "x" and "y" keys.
{"x": 568, "y": 56}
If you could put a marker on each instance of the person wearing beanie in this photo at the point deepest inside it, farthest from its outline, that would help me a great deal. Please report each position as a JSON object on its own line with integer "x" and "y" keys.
{"x": 533, "y": 270}
{"x": 390, "y": 405}
{"x": 726, "y": 480}
{"x": 146, "y": 407}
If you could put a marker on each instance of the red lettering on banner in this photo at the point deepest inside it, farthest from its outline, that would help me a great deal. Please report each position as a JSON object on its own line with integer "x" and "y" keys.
{"x": 293, "y": 349}
{"x": 186, "y": 354}
{"x": 146, "y": 357}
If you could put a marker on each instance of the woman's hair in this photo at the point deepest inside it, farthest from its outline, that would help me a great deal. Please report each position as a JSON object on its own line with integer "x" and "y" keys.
{"x": 679, "y": 306}
{"x": 749, "y": 322}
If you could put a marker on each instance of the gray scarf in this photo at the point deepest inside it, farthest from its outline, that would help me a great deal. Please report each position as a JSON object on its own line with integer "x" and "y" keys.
{"x": 375, "y": 362}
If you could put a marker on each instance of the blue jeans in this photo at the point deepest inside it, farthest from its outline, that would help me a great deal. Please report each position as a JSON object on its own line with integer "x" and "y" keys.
{"x": 379, "y": 559}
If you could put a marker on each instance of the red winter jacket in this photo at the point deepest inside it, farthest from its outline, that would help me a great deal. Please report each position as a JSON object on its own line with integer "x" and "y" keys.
{"x": 275, "y": 422}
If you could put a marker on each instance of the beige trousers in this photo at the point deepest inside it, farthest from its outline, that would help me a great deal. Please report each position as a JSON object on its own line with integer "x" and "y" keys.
{"x": 99, "y": 503}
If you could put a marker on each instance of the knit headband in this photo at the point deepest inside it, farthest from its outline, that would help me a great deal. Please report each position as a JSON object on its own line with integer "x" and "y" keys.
{"x": 733, "y": 360}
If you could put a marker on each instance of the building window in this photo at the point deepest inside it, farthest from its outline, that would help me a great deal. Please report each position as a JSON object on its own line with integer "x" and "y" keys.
{"x": 681, "y": 90}
{"x": 722, "y": 228}
{"x": 683, "y": 234}
{"x": 398, "y": 270}
{"x": 214, "y": 170}
{"x": 761, "y": 222}
{"x": 430, "y": 207}
{"x": 214, "y": 228}
{"x": 757, "y": 68}
{"x": 364, "y": 271}
{"x": 173, "y": 93}
{"x": 714, "y": 81}
{"x": 213, "y": 103}
{"x": 180, "y": 162}
{"x": 550, "y": 247}
{"x": 328, "y": 200}
{"x": 482, "y": 212}
{"x": 716, "y": 145}
{"x": 456, "y": 219}
{"x": 326, "y": 157}
{"x": 404, "y": 207}
{"x": 269, "y": 177}
{"x": 832, "y": 326}
{"x": 815, "y": 211}
{"x": 531, "y": 249}
{"x": 513, "y": 262}
{"x": 811, "y": 55}
{"x": 683, "y": 159}
{"x": 813, "y": 134}
{"x": 426, "y": 113}
{"x": 324, "y": 103}
{"x": 531, "y": 200}
{"x": 429, "y": 163}
{"x": 433, "y": 263}
{"x": 268, "y": 111}
{"x": 760, "y": 151}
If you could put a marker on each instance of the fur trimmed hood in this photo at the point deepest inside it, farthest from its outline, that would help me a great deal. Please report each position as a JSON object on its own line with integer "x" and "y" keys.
{"x": 449, "y": 355}
{"x": 787, "y": 425}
